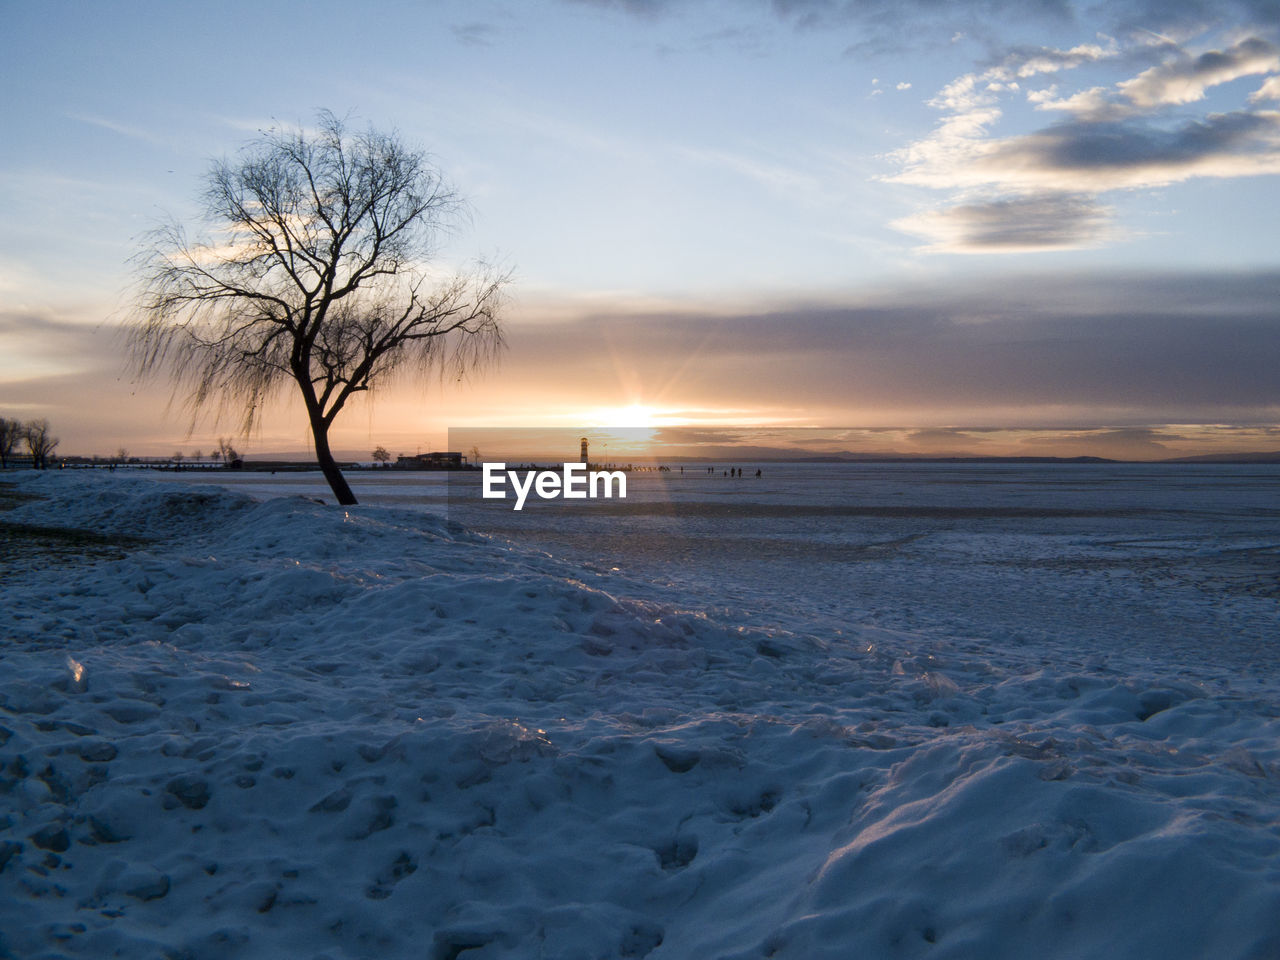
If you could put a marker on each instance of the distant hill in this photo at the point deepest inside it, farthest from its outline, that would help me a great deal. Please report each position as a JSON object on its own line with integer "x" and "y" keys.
{"x": 765, "y": 454}
{"x": 926, "y": 458}
{"x": 1269, "y": 457}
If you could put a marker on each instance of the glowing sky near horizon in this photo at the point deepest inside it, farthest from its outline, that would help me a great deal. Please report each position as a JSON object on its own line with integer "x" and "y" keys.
{"x": 986, "y": 226}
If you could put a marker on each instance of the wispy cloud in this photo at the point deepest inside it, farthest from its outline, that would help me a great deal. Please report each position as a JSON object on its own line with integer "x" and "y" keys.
{"x": 647, "y": 9}
{"x": 944, "y": 439}
{"x": 888, "y": 27}
{"x": 124, "y": 129}
{"x": 476, "y": 34}
{"x": 37, "y": 345}
{"x": 772, "y": 173}
{"x": 1120, "y": 443}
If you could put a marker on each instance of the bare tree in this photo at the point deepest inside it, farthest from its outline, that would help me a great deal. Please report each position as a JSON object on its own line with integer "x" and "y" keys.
{"x": 226, "y": 451}
{"x": 40, "y": 442}
{"x": 12, "y": 433}
{"x": 381, "y": 455}
{"x": 319, "y": 274}
{"x": 122, "y": 454}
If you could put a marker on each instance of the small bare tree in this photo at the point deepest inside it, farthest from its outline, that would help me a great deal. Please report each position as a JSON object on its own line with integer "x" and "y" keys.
{"x": 382, "y": 455}
{"x": 40, "y": 442}
{"x": 226, "y": 451}
{"x": 12, "y": 433}
{"x": 319, "y": 274}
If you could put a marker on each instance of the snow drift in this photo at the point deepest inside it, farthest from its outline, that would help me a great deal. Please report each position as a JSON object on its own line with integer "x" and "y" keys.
{"x": 283, "y": 729}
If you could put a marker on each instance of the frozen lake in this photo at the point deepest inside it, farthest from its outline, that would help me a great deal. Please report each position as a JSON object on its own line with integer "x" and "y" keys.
{"x": 933, "y": 712}
{"x": 1162, "y": 561}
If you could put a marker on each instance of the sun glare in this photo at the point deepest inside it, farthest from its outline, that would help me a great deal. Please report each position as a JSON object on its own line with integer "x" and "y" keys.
{"x": 636, "y": 415}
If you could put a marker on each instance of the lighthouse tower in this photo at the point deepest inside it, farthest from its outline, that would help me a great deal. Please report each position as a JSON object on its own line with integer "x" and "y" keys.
{"x": 583, "y": 457}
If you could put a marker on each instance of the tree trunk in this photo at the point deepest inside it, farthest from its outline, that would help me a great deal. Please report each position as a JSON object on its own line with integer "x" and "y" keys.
{"x": 337, "y": 482}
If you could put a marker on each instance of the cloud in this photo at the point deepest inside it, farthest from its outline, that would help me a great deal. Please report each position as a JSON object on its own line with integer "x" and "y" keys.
{"x": 1013, "y": 225}
{"x": 1011, "y": 351}
{"x": 1189, "y": 16}
{"x": 945, "y": 439}
{"x": 783, "y": 177}
{"x": 1097, "y": 156}
{"x": 884, "y": 27}
{"x": 1121, "y": 444}
{"x": 1091, "y": 104}
{"x": 1016, "y": 352}
{"x": 1185, "y": 79}
{"x": 1044, "y": 185}
{"x": 754, "y": 443}
{"x": 1270, "y": 90}
{"x": 747, "y": 41}
{"x": 956, "y": 14}
{"x": 124, "y": 129}
{"x": 1102, "y": 156}
{"x": 1104, "y": 146}
{"x": 696, "y": 435}
{"x": 476, "y": 34}
{"x": 645, "y": 9}
{"x": 1030, "y": 62}
{"x": 35, "y": 345}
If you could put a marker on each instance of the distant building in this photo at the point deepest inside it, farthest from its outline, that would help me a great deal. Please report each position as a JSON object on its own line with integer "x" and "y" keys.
{"x": 582, "y": 458}
{"x": 432, "y": 461}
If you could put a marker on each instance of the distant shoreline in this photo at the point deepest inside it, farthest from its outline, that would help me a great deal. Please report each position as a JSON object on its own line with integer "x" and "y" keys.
{"x": 254, "y": 465}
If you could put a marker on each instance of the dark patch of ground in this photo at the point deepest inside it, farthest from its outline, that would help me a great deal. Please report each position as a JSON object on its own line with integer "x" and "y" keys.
{"x": 22, "y": 544}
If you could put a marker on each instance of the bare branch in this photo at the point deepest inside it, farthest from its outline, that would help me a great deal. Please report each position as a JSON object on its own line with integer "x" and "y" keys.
{"x": 40, "y": 442}
{"x": 314, "y": 270}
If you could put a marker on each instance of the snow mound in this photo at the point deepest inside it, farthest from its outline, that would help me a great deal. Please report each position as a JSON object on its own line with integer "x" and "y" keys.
{"x": 283, "y": 729}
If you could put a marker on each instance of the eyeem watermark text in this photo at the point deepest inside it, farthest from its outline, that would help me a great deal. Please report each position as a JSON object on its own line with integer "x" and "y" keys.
{"x": 574, "y": 482}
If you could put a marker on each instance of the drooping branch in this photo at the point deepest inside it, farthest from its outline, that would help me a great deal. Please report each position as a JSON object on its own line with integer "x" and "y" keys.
{"x": 315, "y": 269}
{"x": 451, "y": 330}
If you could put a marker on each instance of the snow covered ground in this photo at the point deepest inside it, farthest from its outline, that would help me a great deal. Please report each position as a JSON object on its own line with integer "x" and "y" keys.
{"x": 878, "y": 712}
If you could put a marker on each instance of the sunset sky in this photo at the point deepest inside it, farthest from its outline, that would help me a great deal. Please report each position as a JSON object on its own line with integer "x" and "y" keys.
{"x": 995, "y": 227}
